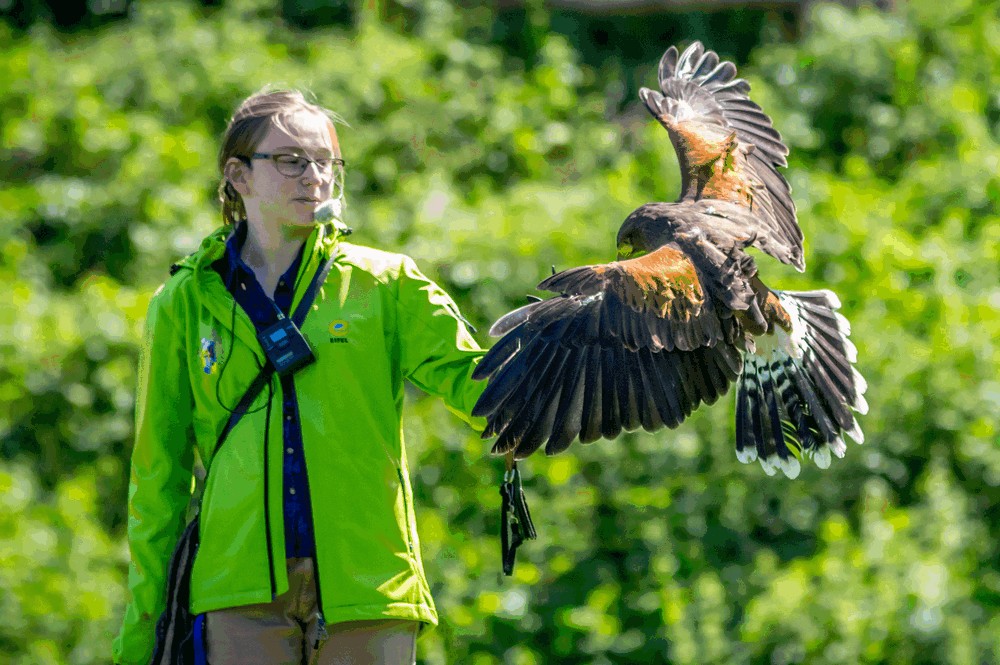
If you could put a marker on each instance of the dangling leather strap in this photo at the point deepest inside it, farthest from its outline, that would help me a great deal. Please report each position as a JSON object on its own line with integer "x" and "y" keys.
{"x": 515, "y": 519}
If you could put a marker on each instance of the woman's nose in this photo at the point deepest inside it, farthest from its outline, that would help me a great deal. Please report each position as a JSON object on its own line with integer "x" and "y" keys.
{"x": 312, "y": 174}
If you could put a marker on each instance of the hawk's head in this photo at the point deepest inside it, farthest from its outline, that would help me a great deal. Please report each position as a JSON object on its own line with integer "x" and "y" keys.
{"x": 646, "y": 229}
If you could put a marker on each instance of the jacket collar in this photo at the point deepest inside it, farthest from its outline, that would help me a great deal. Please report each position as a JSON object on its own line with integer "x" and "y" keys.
{"x": 320, "y": 245}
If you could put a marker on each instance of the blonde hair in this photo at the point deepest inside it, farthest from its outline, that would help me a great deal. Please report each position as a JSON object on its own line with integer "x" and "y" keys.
{"x": 248, "y": 127}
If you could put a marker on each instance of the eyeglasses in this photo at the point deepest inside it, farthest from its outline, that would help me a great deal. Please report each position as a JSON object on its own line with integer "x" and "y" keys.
{"x": 292, "y": 166}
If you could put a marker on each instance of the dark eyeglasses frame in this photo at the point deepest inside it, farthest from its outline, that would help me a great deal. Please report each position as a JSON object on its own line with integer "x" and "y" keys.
{"x": 278, "y": 166}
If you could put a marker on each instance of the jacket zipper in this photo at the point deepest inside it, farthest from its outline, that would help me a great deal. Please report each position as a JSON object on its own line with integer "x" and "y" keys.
{"x": 321, "y": 634}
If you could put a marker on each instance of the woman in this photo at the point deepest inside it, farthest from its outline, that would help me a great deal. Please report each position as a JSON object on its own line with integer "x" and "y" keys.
{"x": 308, "y": 551}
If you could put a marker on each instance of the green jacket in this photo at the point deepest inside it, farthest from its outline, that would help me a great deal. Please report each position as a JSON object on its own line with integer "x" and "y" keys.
{"x": 376, "y": 321}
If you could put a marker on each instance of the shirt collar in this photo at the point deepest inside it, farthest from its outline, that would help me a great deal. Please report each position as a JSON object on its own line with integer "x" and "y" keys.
{"x": 234, "y": 266}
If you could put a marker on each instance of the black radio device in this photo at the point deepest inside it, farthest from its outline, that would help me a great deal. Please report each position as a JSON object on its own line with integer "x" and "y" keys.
{"x": 285, "y": 346}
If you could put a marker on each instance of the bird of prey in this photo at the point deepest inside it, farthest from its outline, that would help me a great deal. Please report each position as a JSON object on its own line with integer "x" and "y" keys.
{"x": 683, "y": 312}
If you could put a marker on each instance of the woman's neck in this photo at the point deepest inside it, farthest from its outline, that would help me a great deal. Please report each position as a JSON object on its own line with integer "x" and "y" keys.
{"x": 269, "y": 252}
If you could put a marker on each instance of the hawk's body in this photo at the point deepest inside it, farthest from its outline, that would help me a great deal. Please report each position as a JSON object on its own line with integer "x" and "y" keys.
{"x": 644, "y": 340}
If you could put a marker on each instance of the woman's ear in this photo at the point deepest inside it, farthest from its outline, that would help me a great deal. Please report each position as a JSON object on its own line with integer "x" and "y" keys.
{"x": 238, "y": 174}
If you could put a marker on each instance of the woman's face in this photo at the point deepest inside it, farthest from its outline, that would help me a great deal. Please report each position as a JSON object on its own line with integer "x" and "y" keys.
{"x": 275, "y": 200}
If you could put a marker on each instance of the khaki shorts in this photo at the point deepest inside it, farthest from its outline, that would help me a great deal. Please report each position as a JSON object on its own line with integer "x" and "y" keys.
{"x": 286, "y": 631}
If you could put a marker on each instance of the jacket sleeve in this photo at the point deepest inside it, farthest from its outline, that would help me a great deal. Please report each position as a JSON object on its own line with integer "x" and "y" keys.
{"x": 438, "y": 353}
{"x": 160, "y": 480}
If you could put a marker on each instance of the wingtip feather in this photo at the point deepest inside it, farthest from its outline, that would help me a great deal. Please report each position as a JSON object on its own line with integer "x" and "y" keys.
{"x": 860, "y": 384}
{"x": 843, "y": 325}
{"x": 769, "y": 464}
{"x": 855, "y": 432}
{"x": 861, "y": 405}
{"x": 822, "y": 456}
{"x": 790, "y": 467}
{"x": 668, "y": 64}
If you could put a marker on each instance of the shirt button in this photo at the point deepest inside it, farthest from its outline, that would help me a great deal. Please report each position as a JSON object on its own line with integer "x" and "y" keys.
{"x": 288, "y": 417}
{"x": 289, "y": 450}
{"x": 291, "y": 491}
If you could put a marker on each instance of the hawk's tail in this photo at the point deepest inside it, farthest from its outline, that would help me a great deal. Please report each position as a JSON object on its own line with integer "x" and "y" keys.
{"x": 799, "y": 389}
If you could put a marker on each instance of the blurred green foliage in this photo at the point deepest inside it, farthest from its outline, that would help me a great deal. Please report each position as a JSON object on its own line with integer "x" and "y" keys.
{"x": 488, "y": 161}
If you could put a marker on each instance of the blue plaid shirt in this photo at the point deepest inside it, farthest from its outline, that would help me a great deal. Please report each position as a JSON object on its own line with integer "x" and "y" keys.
{"x": 249, "y": 294}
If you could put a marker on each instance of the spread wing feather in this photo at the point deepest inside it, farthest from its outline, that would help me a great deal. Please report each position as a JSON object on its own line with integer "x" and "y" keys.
{"x": 700, "y": 102}
{"x": 656, "y": 301}
{"x": 569, "y": 415}
{"x": 703, "y": 68}
{"x": 593, "y": 403}
{"x": 655, "y": 376}
{"x": 621, "y": 346}
{"x": 805, "y": 382}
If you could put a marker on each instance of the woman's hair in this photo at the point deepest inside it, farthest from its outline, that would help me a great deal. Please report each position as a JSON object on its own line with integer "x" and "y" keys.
{"x": 248, "y": 127}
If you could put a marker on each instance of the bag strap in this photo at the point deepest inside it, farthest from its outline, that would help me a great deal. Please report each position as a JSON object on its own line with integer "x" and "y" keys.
{"x": 264, "y": 376}
{"x": 319, "y": 278}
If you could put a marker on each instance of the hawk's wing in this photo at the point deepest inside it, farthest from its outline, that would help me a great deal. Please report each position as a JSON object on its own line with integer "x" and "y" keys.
{"x": 706, "y": 109}
{"x": 636, "y": 343}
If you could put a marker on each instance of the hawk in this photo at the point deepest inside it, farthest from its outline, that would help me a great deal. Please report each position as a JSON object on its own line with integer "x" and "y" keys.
{"x": 682, "y": 313}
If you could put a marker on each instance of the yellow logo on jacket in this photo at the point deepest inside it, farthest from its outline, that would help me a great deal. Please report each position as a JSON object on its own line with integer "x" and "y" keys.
{"x": 338, "y": 331}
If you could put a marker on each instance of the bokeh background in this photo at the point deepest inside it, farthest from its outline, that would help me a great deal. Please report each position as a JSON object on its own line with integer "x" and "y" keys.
{"x": 490, "y": 142}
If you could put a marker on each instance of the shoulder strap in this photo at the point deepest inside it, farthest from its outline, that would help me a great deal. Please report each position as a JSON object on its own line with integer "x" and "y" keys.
{"x": 319, "y": 278}
{"x": 264, "y": 376}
